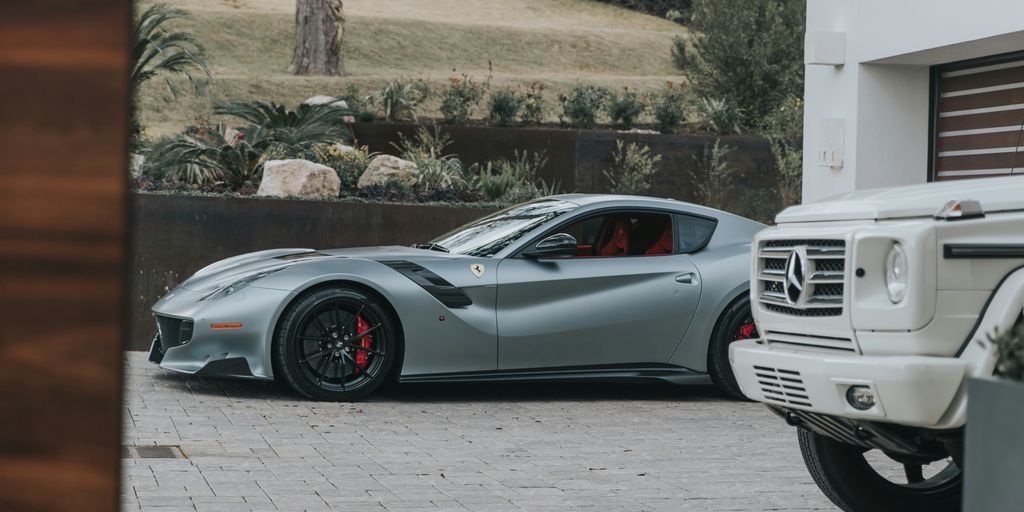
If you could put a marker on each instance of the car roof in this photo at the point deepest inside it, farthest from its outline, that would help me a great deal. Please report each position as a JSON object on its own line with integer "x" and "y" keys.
{"x": 628, "y": 200}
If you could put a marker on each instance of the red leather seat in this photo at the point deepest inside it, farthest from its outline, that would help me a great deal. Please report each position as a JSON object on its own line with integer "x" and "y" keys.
{"x": 664, "y": 243}
{"x": 617, "y": 244}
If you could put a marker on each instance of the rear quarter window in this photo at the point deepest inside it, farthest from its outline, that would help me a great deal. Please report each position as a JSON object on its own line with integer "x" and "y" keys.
{"x": 693, "y": 233}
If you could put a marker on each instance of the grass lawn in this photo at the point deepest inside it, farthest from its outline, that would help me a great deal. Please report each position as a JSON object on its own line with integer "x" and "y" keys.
{"x": 518, "y": 42}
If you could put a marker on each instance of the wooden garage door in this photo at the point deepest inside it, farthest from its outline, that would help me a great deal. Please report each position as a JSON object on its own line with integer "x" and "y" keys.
{"x": 979, "y": 116}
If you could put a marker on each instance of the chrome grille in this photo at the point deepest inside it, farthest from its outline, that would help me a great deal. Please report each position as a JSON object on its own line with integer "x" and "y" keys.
{"x": 782, "y": 386}
{"x": 825, "y": 277}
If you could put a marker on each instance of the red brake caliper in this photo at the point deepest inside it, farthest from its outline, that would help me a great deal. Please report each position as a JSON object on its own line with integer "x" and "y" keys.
{"x": 367, "y": 342}
{"x": 745, "y": 331}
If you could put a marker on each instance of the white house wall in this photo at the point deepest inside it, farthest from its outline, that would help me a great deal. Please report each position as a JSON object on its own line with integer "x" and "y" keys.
{"x": 882, "y": 90}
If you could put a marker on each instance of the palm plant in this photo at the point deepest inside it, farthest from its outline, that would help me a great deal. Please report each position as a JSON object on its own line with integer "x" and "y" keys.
{"x": 290, "y": 131}
{"x": 204, "y": 155}
{"x": 399, "y": 100}
{"x": 160, "y": 51}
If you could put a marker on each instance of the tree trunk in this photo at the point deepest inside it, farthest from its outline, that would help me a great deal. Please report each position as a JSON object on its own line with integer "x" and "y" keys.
{"x": 319, "y": 29}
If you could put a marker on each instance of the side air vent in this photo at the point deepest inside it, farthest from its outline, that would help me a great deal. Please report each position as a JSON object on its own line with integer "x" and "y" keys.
{"x": 445, "y": 292}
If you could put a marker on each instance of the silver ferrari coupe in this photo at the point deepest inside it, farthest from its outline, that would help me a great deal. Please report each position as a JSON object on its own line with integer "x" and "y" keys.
{"x": 561, "y": 288}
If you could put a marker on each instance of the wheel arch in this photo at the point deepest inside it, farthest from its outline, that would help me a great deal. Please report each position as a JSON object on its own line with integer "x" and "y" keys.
{"x": 335, "y": 282}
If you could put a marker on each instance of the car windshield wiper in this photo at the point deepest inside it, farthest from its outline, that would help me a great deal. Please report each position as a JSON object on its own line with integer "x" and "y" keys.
{"x": 432, "y": 247}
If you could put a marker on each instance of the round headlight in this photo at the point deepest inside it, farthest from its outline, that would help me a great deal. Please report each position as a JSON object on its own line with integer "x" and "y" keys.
{"x": 896, "y": 273}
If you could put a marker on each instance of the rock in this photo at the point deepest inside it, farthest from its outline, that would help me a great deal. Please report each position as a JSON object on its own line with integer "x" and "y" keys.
{"x": 343, "y": 148}
{"x": 298, "y": 178}
{"x": 386, "y": 168}
{"x": 135, "y": 163}
{"x": 326, "y": 100}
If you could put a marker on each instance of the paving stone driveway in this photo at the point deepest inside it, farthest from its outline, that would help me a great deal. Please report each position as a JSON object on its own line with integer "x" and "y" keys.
{"x": 594, "y": 447}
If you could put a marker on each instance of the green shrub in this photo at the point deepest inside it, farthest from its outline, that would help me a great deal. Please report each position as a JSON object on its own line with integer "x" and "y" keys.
{"x": 784, "y": 128}
{"x": 632, "y": 168}
{"x": 513, "y": 180}
{"x": 668, "y": 110}
{"x": 504, "y": 107}
{"x": 582, "y": 105}
{"x": 400, "y": 101}
{"x": 437, "y": 170}
{"x": 626, "y": 108}
{"x": 291, "y": 132}
{"x": 720, "y": 116}
{"x": 350, "y": 165}
{"x": 204, "y": 155}
{"x": 712, "y": 177}
{"x": 1010, "y": 350}
{"x": 747, "y": 53}
{"x": 460, "y": 98}
{"x": 533, "y": 105}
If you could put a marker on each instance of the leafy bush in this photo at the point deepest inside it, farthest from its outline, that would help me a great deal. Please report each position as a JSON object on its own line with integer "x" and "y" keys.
{"x": 719, "y": 116}
{"x": 504, "y": 107}
{"x": 206, "y": 154}
{"x": 399, "y": 101}
{"x": 293, "y": 132}
{"x": 712, "y": 178}
{"x": 626, "y": 108}
{"x": 533, "y": 105}
{"x": 515, "y": 179}
{"x": 460, "y": 98}
{"x": 437, "y": 170}
{"x": 582, "y": 105}
{"x": 350, "y": 165}
{"x": 748, "y": 54}
{"x": 668, "y": 110}
{"x": 632, "y": 168}
{"x": 783, "y": 128}
{"x": 1010, "y": 350}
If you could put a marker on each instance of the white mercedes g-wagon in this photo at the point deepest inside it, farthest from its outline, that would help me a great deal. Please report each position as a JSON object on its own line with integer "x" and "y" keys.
{"x": 872, "y": 309}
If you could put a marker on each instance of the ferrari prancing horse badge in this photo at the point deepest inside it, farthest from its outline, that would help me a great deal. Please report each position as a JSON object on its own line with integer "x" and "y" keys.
{"x": 478, "y": 269}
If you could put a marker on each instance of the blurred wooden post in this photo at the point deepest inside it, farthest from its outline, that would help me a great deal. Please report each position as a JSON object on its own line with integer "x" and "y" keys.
{"x": 63, "y": 167}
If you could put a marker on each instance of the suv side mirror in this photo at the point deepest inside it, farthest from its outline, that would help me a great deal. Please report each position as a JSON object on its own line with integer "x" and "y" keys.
{"x": 559, "y": 245}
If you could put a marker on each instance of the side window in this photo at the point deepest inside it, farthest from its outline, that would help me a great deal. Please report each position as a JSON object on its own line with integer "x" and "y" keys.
{"x": 622, "y": 234}
{"x": 693, "y": 233}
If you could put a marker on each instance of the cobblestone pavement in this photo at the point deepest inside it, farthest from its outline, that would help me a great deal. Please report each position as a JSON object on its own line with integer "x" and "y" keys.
{"x": 508, "y": 447}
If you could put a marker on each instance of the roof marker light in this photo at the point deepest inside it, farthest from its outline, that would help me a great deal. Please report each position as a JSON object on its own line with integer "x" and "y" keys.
{"x": 960, "y": 209}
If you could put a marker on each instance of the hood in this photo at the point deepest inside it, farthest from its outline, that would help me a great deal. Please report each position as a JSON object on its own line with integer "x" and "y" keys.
{"x": 994, "y": 194}
{"x": 227, "y": 271}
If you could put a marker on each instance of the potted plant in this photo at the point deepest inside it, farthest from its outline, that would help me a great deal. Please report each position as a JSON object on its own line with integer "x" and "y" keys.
{"x": 994, "y": 449}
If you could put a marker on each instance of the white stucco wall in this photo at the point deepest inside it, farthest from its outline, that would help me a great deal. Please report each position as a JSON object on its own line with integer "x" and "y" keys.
{"x": 882, "y": 90}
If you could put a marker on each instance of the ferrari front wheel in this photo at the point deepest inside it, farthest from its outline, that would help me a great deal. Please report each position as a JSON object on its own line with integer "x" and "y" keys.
{"x": 735, "y": 324}
{"x": 336, "y": 344}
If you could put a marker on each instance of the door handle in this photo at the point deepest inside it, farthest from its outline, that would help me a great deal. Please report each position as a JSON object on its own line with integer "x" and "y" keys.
{"x": 687, "y": 278}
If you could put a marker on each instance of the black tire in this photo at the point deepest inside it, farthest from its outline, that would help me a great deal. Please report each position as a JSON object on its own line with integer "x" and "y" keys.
{"x": 318, "y": 350}
{"x": 736, "y": 316}
{"x": 848, "y": 480}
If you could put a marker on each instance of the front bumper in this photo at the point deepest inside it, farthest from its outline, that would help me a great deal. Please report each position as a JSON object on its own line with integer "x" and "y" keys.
{"x": 909, "y": 390}
{"x": 236, "y": 352}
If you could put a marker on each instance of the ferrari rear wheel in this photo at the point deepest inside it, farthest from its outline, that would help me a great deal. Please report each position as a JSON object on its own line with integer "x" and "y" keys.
{"x": 735, "y": 324}
{"x": 335, "y": 344}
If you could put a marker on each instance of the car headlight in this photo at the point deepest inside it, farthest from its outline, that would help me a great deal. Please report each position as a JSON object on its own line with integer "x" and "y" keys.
{"x": 896, "y": 272}
{"x": 234, "y": 287}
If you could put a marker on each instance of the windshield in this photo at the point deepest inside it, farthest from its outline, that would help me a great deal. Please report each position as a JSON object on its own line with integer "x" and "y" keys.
{"x": 491, "y": 234}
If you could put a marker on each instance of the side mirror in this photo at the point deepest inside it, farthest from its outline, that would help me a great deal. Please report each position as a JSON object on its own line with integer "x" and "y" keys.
{"x": 559, "y": 245}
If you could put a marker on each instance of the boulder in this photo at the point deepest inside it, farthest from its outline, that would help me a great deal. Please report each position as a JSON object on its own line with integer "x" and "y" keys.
{"x": 343, "y": 148}
{"x": 385, "y": 169}
{"x": 326, "y": 100}
{"x": 135, "y": 163}
{"x": 298, "y": 178}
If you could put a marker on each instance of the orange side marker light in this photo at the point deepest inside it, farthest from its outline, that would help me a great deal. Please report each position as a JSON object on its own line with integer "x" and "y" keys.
{"x": 236, "y": 325}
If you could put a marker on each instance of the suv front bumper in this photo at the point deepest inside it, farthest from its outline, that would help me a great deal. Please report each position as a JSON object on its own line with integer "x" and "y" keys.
{"x": 908, "y": 390}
